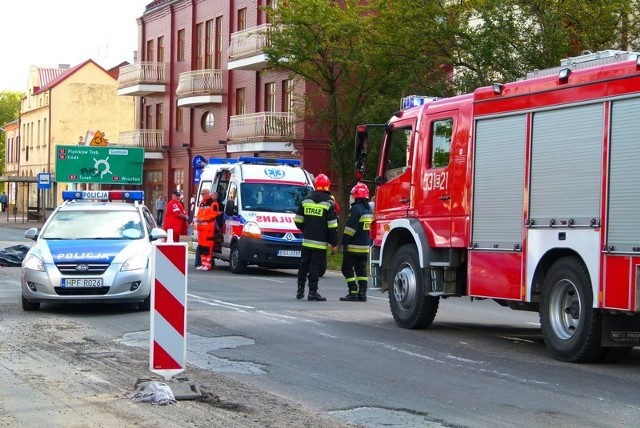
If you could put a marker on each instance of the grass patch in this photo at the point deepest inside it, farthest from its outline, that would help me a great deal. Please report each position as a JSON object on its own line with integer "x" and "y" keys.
{"x": 334, "y": 261}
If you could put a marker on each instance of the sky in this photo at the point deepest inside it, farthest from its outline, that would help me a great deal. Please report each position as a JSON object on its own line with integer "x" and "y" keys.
{"x": 46, "y": 33}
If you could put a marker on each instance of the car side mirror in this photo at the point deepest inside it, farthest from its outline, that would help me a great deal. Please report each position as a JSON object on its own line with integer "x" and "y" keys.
{"x": 31, "y": 233}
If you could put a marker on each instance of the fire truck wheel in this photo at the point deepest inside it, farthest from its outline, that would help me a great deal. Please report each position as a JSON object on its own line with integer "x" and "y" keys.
{"x": 570, "y": 326}
{"x": 410, "y": 306}
{"x": 235, "y": 264}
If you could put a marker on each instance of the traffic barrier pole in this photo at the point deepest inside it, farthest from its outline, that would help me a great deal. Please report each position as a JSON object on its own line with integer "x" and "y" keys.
{"x": 168, "y": 331}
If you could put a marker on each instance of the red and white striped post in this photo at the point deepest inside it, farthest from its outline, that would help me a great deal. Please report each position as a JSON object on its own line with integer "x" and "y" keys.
{"x": 168, "y": 333}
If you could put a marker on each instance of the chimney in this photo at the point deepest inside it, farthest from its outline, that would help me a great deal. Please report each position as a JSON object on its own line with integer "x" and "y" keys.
{"x": 64, "y": 66}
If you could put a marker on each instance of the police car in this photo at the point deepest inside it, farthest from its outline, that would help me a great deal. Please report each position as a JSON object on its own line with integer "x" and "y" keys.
{"x": 95, "y": 247}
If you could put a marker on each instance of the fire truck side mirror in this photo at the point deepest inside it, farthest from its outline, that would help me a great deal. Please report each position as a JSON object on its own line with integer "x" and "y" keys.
{"x": 362, "y": 137}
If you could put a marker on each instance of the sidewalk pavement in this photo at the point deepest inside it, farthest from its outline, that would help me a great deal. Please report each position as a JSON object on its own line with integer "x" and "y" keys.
{"x": 18, "y": 221}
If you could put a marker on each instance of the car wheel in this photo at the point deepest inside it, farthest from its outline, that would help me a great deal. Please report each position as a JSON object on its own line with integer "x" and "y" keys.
{"x": 146, "y": 304}
{"x": 235, "y": 264}
{"x": 29, "y": 306}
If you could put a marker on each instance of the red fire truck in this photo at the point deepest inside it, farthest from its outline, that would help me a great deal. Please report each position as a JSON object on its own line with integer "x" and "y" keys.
{"x": 527, "y": 193}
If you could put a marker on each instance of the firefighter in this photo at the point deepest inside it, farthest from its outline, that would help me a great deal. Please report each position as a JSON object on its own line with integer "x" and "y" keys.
{"x": 355, "y": 245}
{"x": 316, "y": 218}
{"x": 208, "y": 211}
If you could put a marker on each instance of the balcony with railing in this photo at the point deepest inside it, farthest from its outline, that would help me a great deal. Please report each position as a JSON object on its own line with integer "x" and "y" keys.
{"x": 246, "y": 50}
{"x": 150, "y": 139}
{"x": 199, "y": 87}
{"x": 142, "y": 79}
{"x": 263, "y": 131}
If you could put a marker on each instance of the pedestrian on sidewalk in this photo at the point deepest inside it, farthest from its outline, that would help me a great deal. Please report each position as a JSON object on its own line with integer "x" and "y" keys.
{"x": 3, "y": 201}
{"x": 160, "y": 205}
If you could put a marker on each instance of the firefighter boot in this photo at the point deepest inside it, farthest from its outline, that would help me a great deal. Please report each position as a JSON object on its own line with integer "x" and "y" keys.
{"x": 352, "y": 296}
{"x": 362, "y": 292}
{"x": 300, "y": 293}
{"x": 316, "y": 297}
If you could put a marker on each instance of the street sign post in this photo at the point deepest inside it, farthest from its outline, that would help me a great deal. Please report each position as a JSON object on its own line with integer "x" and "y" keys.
{"x": 44, "y": 180}
{"x": 93, "y": 164}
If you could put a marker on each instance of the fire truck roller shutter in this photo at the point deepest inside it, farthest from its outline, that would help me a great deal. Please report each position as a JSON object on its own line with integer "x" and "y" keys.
{"x": 498, "y": 184}
{"x": 566, "y": 165}
{"x": 624, "y": 176}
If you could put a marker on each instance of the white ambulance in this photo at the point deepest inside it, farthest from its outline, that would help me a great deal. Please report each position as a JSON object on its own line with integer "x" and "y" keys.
{"x": 259, "y": 198}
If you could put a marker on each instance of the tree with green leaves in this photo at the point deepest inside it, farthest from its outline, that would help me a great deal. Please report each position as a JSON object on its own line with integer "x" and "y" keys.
{"x": 340, "y": 48}
{"x": 364, "y": 56}
{"x": 9, "y": 111}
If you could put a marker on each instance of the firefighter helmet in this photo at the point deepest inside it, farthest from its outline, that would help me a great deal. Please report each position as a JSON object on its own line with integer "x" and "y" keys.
{"x": 322, "y": 182}
{"x": 360, "y": 190}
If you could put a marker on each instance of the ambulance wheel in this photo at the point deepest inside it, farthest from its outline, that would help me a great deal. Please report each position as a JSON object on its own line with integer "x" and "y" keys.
{"x": 235, "y": 264}
{"x": 570, "y": 325}
{"x": 29, "y": 306}
{"x": 410, "y": 306}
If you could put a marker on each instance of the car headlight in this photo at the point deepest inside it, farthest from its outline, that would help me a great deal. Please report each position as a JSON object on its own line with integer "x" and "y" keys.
{"x": 252, "y": 230}
{"x": 139, "y": 261}
{"x": 33, "y": 262}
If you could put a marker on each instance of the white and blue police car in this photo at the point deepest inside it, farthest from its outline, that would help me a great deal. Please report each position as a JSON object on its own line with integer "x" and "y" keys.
{"x": 94, "y": 248}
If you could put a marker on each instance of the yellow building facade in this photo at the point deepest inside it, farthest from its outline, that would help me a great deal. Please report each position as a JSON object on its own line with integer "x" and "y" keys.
{"x": 61, "y": 106}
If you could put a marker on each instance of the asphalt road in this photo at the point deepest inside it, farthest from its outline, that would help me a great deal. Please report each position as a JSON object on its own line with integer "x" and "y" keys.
{"x": 480, "y": 365}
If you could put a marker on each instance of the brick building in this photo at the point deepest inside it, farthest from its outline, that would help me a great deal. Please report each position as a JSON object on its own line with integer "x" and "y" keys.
{"x": 202, "y": 88}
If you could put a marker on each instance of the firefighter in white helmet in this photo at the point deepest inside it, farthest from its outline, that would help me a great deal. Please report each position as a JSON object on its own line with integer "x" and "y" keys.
{"x": 355, "y": 245}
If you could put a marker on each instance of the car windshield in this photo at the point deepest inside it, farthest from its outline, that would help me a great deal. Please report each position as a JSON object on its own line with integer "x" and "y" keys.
{"x": 274, "y": 197}
{"x": 92, "y": 224}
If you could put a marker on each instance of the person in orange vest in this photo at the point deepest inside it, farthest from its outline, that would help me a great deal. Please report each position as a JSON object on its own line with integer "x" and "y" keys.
{"x": 208, "y": 211}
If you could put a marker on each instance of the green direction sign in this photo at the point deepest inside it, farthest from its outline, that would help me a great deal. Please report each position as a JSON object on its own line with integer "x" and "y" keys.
{"x": 93, "y": 164}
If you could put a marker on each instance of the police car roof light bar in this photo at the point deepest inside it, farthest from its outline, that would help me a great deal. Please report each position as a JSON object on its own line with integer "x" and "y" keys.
{"x": 103, "y": 195}
{"x": 269, "y": 161}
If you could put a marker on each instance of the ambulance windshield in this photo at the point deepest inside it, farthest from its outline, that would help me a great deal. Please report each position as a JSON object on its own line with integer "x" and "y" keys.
{"x": 272, "y": 197}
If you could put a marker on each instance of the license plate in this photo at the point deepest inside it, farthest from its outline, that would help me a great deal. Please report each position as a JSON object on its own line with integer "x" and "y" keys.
{"x": 289, "y": 253}
{"x": 81, "y": 282}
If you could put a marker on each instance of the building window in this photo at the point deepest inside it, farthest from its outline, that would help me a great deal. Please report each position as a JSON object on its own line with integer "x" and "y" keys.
{"x": 207, "y": 121}
{"x": 219, "y": 37}
{"x": 210, "y": 45}
{"x": 160, "y": 49}
{"x": 178, "y": 179}
{"x": 148, "y": 120}
{"x": 180, "y": 48}
{"x": 179, "y": 119}
{"x": 242, "y": 19}
{"x": 270, "y": 97}
{"x": 269, "y": 6}
{"x": 200, "y": 46}
{"x": 159, "y": 117}
{"x": 150, "y": 51}
{"x": 287, "y": 95}
{"x": 240, "y": 101}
